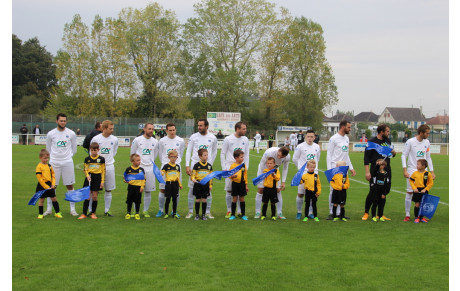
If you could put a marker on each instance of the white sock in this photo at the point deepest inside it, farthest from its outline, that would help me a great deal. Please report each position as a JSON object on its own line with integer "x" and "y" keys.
{"x": 299, "y": 201}
{"x": 107, "y": 200}
{"x": 330, "y": 202}
{"x": 228, "y": 200}
{"x": 238, "y": 208}
{"x": 177, "y": 199}
{"x": 408, "y": 203}
{"x": 257, "y": 150}
{"x": 191, "y": 200}
{"x": 90, "y": 207}
{"x": 161, "y": 201}
{"x": 311, "y": 207}
{"x": 209, "y": 203}
{"x": 258, "y": 202}
{"x": 147, "y": 200}
{"x": 72, "y": 206}
{"x": 49, "y": 205}
{"x": 279, "y": 205}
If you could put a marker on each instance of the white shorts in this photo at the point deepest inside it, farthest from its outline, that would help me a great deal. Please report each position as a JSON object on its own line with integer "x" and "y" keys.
{"x": 162, "y": 186}
{"x": 408, "y": 187}
{"x": 228, "y": 185}
{"x": 149, "y": 180}
{"x": 64, "y": 169}
{"x": 257, "y": 144}
{"x": 301, "y": 189}
{"x": 109, "y": 183}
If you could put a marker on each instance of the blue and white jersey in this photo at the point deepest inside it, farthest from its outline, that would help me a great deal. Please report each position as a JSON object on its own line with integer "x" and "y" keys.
{"x": 108, "y": 147}
{"x": 167, "y": 144}
{"x": 198, "y": 141}
{"x": 231, "y": 144}
{"x": 61, "y": 145}
{"x": 146, "y": 148}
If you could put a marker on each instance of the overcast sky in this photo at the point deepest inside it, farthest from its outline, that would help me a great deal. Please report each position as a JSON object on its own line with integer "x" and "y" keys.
{"x": 383, "y": 53}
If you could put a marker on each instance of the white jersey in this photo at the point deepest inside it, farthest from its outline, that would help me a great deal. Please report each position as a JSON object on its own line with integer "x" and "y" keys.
{"x": 61, "y": 145}
{"x": 231, "y": 144}
{"x": 146, "y": 148}
{"x": 273, "y": 152}
{"x": 337, "y": 150}
{"x": 257, "y": 138}
{"x": 305, "y": 152}
{"x": 293, "y": 138}
{"x": 415, "y": 150}
{"x": 198, "y": 141}
{"x": 108, "y": 147}
{"x": 167, "y": 144}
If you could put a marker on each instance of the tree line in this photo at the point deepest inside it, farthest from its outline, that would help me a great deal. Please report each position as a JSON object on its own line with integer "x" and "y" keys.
{"x": 233, "y": 55}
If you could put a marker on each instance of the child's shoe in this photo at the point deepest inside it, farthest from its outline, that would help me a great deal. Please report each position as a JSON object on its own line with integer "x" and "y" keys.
{"x": 305, "y": 219}
{"x": 344, "y": 219}
{"x": 128, "y": 216}
{"x": 166, "y": 216}
{"x": 58, "y": 215}
{"x": 82, "y": 216}
{"x": 176, "y": 216}
{"x": 417, "y": 220}
{"x": 197, "y": 217}
{"x": 273, "y": 217}
{"x": 232, "y": 217}
{"x": 335, "y": 219}
{"x": 365, "y": 216}
{"x": 93, "y": 216}
{"x": 424, "y": 220}
{"x": 137, "y": 216}
{"x": 244, "y": 217}
{"x": 382, "y": 219}
{"x": 262, "y": 218}
{"x": 40, "y": 216}
{"x": 316, "y": 219}
{"x": 203, "y": 217}
{"x": 385, "y": 218}
{"x": 374, "y": 219}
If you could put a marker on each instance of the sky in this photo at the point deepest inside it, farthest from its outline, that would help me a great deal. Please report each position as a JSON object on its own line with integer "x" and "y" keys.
{"x": 383, "y": 53}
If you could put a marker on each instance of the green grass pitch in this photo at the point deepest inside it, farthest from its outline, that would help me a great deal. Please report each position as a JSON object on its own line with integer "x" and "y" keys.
{"x": 155, "y": 253}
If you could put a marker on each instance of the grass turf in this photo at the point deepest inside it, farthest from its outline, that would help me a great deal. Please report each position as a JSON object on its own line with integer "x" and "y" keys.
{"x": 118, "y": 254}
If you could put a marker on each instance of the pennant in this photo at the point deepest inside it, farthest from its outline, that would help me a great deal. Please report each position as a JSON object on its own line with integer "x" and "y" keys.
{"x": 382, "y": 150}
{"x": 221, "y": 174}
{"x": 157, "y": 173}
{"x": 36, "y": 196}
{"x": 298, "y": 176}
{"x": 226, "y": 174}
{"x": 331, "y": 173}
{"x": 262, "y": 177}
{"x": 131, "y": 177}
{"x": 428, "y": 205}
{"x": 77, "y": 195}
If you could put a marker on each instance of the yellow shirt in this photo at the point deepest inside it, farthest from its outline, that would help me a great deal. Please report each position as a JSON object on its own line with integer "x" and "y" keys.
{"x": 309, "y": 180}
{"x": 95, "y": 165}
{"x": 171, "y": 173}
{"x": 242, "y": 173}
{"x": 45, "y": 173}
{"x": 200, "y": 171}
{"x": 133, "y": 171}
{"x": 270, "y": 181}
{"x": 340, "y": 183}
{"x": 417, "y": 180}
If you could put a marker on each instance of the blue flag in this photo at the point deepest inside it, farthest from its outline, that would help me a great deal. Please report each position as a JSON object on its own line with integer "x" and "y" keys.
{"x": 157, "y": 173}
{"x": 383, "y": 150}
{"x": 77, "y": 195}
{"x": 331, "y": 173}
{"x": 221, "y": 174}
{"x": 428, "y": 205}
{"x": 298, "y": 176}
{"x": 131, "y": 177}
{"x": 260, "y": 178}
{"x": 36, "y": 196}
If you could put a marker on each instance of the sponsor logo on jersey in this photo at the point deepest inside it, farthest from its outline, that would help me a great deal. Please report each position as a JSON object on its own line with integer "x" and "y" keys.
{"x": 168, "y": 150}
{"x": 61, "y": 143}
{"x": 177, "y": 144}
{"x": 310, "y": 157}
{"x": 344, "y": 148}
{"x": 209, "y": 167}
{"x": 146, "y": 152}
{"x": 105, "y": 151}
{"x": 237, "y": 149}
{"x": 209, "y": 140}
{"x": 203, "y": 146}
{"x": 66, "y": 136}
{"x": 98, "y": 160}
{"x": 420, "y": 154}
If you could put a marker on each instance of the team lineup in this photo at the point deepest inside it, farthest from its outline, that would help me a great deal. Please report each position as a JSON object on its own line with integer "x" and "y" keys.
{"x": 56, "y": 162}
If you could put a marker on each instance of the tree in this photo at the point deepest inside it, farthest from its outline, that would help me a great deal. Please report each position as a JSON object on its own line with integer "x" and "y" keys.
{"x": 33, "y": 73}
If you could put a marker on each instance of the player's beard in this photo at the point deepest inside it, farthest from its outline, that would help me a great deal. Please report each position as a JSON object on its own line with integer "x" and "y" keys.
{"x": 61, "y": 127}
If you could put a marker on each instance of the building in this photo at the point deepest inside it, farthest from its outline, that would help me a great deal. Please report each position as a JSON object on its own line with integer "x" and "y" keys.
{"x": 368, "y": 117}
{"x": 440, "y": 122}
{"x": 412, "y": 117}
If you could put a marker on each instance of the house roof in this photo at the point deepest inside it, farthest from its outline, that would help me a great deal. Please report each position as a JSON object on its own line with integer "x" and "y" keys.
{"x": 367, "y": 117}
{"x": 441, "y": 119}
{"x": 339, "y": 117}
{"x": 406, "y": 114}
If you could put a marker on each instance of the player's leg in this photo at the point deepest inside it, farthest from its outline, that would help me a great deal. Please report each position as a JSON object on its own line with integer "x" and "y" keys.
{"x": 203, "y": 208}
{"x": 109, "y": 185}
{"x": 300, "y": 200}
{"x": 260, "y": 191}
{"x": 68, "y": 179}
{"x": 331, "y": 205}
{"x": 57, "y": 174}
{"x": 228, "y": 196}
{"x": 279, "y": 205}
{"x": 408, "y": 200}
{"x": 190, "y": 199}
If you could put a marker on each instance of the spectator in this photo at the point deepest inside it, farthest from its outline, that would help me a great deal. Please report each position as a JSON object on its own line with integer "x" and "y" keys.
{"x": 363, "y": 138}
{"x": 78, "y": 132}
{"x": 24, "y": 131}
{"x": 316, "y": 139}
{"x": 37, "y": 130}
{"x": 405, "y": 138}
{"x": 97, "y": 130}
{"x": 220, "y": 135}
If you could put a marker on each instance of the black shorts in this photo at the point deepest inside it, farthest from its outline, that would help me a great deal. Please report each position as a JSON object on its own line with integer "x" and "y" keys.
{"x": 171, "y": 189}
{"x": 201, "y": 191}
{"x": 134, "y": 194}
{"x": 95, "y": 182}
{"x": 310, "y": 195}
{"x": 417, "y": 197}
{"x": 270, "y": 194}
{"x": 376, "y": 192}
{"x": 48, "y": 193}
{"x": 239, "y": 189}
{"x": 339, "y": 197}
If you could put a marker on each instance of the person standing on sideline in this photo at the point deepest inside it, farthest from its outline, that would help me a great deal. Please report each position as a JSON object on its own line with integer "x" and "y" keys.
{"x": 363, "y": 138}
{"x": 202, "y": 139}
{"x": 97, "y": 130}
{"x": 281, "y": 157}
{"x": 146, "y": 146}
{"x": 166, "y": 144}
{"x": 371, "y": 157}
{"x": 304, "y": 152}
{"x": 416, "y": 148}
{"x": 300, "y": 138}
{"x": 233, "y": 142}
{"x": 24, "y": 131}
{"x": 271, "y": 138}
{"x": 405, "y": 138}
{"x": 257, "y": 139}
{"x": 37, "y": 130}
{"x": 61, "y": 143}
{"x": 108, "y": 144}
{"x": 337, "y": 150}
{"x": 220, "y": 135}
{"x": 293, "y": 141}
